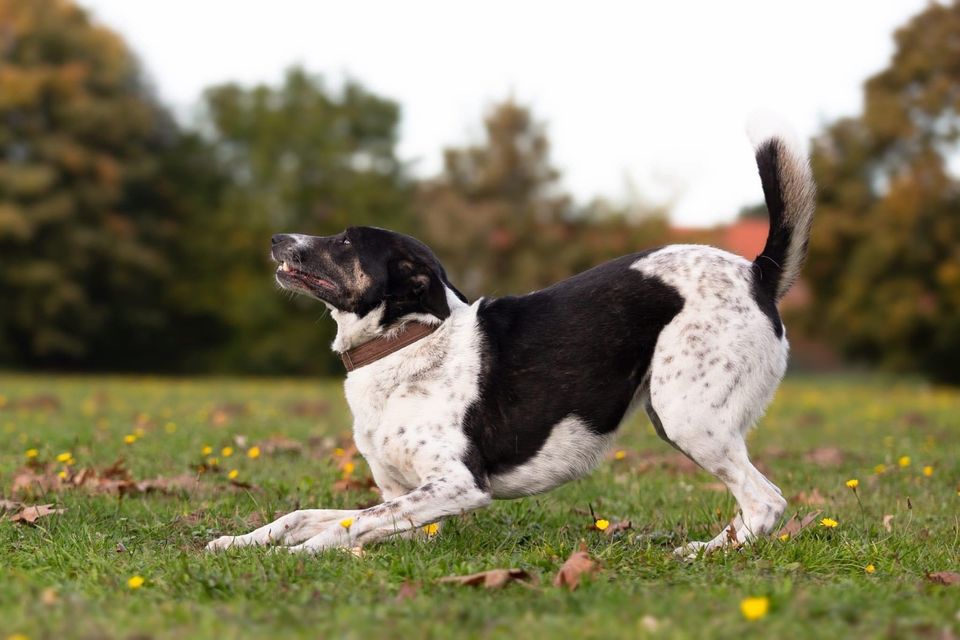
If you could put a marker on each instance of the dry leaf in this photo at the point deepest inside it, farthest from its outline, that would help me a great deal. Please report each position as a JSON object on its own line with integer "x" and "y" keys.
{"x": 120, "y": 548}
{"x": 795, "y": 525}
{"x": 49, "y": 596}
{"x": 577, "y": 565}
{"x": 280, "y": 444}
{"x": 825, "y": 456}
{"x": 813, "y": 499}
{"x": 30, "y": 515}
{"x": 10, "y": 505}
{"x": 948, "y": 578}
{"x": 614, "y": 527}
{"x": 308, "y": 409}
{"x": 493, "y": 579}
{"x": 886, "y": 522}
{"x": 350, "y": 484}
{"x": 408, "y": 591}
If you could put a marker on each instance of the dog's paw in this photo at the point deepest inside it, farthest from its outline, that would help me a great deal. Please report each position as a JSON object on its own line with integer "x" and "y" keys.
{"x": 223, "y": 542}
{"x": 692, "y": 550}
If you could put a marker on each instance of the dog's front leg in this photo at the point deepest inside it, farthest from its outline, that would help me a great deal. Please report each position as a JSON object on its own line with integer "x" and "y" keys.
{"x": 292, "y": 528}
{"x": 437, "y": 498}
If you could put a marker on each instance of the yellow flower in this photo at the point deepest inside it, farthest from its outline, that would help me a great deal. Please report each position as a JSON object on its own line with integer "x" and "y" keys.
{"x": 928, "y": 471}
{"x": 853, "y": 483}
{"x": 135, "y": 582}
{"x": 65, "y": 457}
{"x": 602, "y": 524}
{"x": 346, "y": 522}
{"x": 870, "y": 568}
{"x": 620, "y": 455}
{"x": 432, "y": 529}
{"x": 830, "y": 523}
{"x": 754, "y": 608}
{"x": 212, "y": 462}
{"x": 170, "y": 427}
{"x": 140, "y": 432}
{"x": 207, "y": 450}
{"x": 880, "y": 468}
{"x": 62, "y": 475}
{"x": 233, "y": 474}
{"x": 17, "y": 636}
{"x": 253, "y": 453}
{"x": 129, "y": 438}
{"x": 348, "y": 468}
{"x": 338, "y": 451}
{"x": 904, "y": 461}
{"x": 32, "y": 453}
{"x": 226, "y": 452}
{"x": 784, "y": 537}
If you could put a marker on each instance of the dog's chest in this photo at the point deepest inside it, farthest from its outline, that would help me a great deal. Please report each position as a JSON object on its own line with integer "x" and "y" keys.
{"x": 409, "y": 408}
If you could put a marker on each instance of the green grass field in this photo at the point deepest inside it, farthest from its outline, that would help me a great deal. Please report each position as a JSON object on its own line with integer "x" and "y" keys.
{"x": 68, "y": 575}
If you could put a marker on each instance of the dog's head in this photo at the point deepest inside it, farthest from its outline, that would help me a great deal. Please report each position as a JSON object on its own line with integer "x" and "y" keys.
{"x": 365, "y": 270}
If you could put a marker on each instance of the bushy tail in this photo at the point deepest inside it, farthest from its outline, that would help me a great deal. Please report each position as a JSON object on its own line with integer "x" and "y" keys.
{"x": 790, "y": 193}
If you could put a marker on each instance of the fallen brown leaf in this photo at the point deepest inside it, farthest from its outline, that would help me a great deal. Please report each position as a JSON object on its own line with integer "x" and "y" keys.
{"x": 308, "y": 409}
{"x": 576, "y": 566}
{"x": 9, "y": 505}
{"x": 280, "y": 444}
{"x": 492, "y": 579}
{"x": 615, "y": 527}
{"x": 351, "y": 484}
{"x": 948, "y": 578}
{"x": 825, "y": 456}
{"x": 813, "y": 499}
{"x": 30, "y": 515}
{"x": 795, "y": 525}
{"x": 42, "y": 402}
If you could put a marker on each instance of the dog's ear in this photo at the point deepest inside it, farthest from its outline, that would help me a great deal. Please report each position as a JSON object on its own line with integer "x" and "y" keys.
{"x": 416, "y": 285}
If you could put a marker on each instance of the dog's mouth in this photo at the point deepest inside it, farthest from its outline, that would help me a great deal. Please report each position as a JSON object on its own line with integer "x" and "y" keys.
{"x": 287, "y": 273}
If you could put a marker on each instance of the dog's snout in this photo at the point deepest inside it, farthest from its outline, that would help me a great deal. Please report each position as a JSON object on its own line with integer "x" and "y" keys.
{"x": 280, "y": 238}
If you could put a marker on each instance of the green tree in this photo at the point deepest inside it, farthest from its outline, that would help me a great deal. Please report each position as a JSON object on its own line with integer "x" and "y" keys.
{"x": 884, "y": 263}
{"x": 501, "y": 221}
{"x": 88, "y": 213}
{"x": 298, "y": 157}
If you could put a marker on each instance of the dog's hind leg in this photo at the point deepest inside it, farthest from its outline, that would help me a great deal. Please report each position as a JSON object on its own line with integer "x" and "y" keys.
{"x": 705, "y": 412}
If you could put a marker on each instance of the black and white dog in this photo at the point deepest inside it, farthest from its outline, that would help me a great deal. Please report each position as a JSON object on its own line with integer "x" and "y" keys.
{"x": 456, "y": 404}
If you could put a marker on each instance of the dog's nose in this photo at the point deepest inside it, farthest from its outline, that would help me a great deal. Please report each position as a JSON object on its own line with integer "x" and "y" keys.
{"x": 279, "y": 238}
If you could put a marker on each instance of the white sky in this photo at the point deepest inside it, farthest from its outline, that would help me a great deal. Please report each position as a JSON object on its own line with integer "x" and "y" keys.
{"x": 650, "y": 93}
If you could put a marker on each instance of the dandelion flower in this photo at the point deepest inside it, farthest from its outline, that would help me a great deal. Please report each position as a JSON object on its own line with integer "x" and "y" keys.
{"x": 17, "y": 636}
{"x": 784, "y": 537}
{"x": 602, "y": 524}
{"x": 853, "y": 483}
{"x": 348, "y": 468}
{"x": 212, "y": 462}
{"x": 226, "y": 452}
{"x": 870, "y": 568}
{"x": 346, "y": 522}
{"x": 129, "y": 438}
{"x": 829, "y": 523}
{"x": 880, "y": 468}
{"x": 904, "y": 462}
{"x": 32, "y": 453}
{"x": 928, "y": 471}
{"x": 620, "y": 454}
{"x": 754, "y": 608}
{"x": 65, "y": 457}
{"x": 207, "y": 450}
{"x": 338, "y": 451}
{"x": 253, "y": 453}
{"x": 170, "y": 427}
{"x": 432, "y": 529}
{"x": 233, "y": 474}
{"x": 62, "y": 475}
{"x": 135, "y": 582}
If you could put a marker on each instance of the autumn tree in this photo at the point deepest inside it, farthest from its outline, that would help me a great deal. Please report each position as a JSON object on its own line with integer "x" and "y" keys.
{"x": 884, "y": 263}
{"x": 88, "y": 212}
{"x": 501, "y": 221}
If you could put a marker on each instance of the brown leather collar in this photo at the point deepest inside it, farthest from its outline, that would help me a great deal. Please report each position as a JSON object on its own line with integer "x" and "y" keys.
{"x": 382, "y": 347}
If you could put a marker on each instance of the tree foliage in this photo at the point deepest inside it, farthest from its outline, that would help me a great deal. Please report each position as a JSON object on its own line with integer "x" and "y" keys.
{"x": 884, "y": 263}
{"x": 88, "y": 211}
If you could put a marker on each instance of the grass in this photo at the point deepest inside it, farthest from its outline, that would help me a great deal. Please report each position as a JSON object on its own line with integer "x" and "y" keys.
{"x": 65, "y": 578}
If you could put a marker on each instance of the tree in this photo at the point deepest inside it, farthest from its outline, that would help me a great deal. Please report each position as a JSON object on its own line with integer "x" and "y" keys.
{"x": 88, "y": 214}
{"x": 884, "y": 264}
{"x": 298, "y": 157}
{"x": 501, "y": 222}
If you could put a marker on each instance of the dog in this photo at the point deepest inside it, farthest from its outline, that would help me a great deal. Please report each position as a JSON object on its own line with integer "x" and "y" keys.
{"x": 456, "y": 404}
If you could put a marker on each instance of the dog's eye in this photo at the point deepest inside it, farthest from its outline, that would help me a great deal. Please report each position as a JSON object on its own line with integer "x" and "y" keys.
{"x": 345, "y": 241}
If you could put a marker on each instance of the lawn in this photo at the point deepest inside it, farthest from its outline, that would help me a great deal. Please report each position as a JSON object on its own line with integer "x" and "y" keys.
{"x": 69, "y": 574}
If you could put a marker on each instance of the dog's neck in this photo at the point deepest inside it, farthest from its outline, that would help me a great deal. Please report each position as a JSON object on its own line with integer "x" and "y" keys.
{"x": 354, "y": 331}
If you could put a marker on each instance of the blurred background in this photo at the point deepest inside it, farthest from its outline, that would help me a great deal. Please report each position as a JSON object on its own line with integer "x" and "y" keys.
{"x": 148, "y": 150}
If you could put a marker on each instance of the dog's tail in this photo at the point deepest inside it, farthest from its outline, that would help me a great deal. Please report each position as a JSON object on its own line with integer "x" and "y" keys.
{"x": 790, "y": 193}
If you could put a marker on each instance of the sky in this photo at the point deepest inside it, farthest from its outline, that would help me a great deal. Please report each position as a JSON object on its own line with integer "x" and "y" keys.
{"x": 642, "y": 100}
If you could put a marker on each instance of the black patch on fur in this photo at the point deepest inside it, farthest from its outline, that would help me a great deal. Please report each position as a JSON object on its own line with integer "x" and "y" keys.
{"x": 581, "y": 347}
